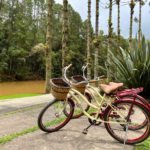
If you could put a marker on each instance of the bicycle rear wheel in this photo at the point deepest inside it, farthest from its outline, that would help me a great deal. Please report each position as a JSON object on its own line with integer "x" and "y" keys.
{"x": 52, "y": 117}
{"x": 143, "y": 124}
{"x": 136, "y": 119}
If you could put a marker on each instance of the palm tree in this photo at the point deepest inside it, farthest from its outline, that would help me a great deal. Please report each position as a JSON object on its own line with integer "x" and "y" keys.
{"x": 65, "y": 35}
{"x": 132, "y": 5}
{"x": 109, "y": 33}
{"x": 48, "y": 46}
{"x": 88, "y": 40}
{"x": 96, "y": 41}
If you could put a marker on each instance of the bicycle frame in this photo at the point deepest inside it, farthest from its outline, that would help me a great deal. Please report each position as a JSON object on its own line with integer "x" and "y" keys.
{"x": 98, "y": 108}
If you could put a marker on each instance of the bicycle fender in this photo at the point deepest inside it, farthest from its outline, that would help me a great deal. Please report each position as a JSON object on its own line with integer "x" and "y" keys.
{"x": 129, "y": 100}
{"x": 72, "y": 101}
{"x": 144, "y": 101}
{"x": 89, "y": 95}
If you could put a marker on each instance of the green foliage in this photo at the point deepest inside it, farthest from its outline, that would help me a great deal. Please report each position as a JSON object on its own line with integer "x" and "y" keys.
{"x": 132, "y": 66}
{"x": 22, "y": 32}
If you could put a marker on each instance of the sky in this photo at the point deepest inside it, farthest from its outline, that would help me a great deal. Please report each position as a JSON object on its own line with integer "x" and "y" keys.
{"x": 81, "y": 6}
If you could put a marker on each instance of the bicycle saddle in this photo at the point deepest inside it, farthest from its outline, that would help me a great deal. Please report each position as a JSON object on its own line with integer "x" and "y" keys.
{"x": 120, "y": 85}
{"x": 108, "y": 88}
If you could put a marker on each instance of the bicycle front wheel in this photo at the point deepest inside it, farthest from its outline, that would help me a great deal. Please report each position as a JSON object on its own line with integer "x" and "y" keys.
{"x": 52, "y": 116}
{"x": 77, "y": 110}
{"x": 117, "y": 130}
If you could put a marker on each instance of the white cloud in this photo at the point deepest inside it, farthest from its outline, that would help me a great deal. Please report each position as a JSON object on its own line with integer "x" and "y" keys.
{"x": 81, "y": 7}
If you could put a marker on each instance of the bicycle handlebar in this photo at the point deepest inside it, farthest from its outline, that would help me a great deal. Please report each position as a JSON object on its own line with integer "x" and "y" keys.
{"x": 65, "y": 69}
{"x": 103, "y": 76}
{"x": 96, "y": 78}
{"x": 92, "y": 81}
{"x": 86, "y": 80}
{"x": 69, "y": 65}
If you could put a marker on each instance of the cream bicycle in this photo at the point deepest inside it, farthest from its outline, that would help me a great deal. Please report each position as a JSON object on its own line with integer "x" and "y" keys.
{"x": 112, "y": 117}
{"x": 127, "y": 93}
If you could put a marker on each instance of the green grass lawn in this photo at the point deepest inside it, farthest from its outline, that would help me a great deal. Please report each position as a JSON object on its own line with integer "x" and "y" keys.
{"x": 144, "y": 145}
{"x": 18, "y": 96}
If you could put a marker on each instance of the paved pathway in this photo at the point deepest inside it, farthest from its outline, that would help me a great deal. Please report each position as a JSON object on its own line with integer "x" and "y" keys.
{"x": 69, "y": 137}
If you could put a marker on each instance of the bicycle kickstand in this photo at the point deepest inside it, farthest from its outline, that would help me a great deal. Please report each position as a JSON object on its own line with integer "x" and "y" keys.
{"x": 126, "y": 129}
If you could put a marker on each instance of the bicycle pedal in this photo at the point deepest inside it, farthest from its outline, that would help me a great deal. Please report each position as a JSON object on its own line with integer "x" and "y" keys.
{"x": 85, "y": 131}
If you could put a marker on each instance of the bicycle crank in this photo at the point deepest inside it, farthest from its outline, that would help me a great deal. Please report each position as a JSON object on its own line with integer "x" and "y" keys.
{"x": 94, "y": 122}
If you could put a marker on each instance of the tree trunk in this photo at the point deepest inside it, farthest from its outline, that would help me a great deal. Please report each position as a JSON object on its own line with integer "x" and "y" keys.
{"x": 12, "y": 16}
{"x": 139, "y": 31}
{"x": 65, "y": 35}
{"x": 49, "y": 45}
{"x": 96, "y": 37}
{"x": 88, "y": 40}
{"x": 109, "y": 34}
{"x": 0, "y": 4}
{"x": 118, "y": 38}
{"x": 131, "y": 20}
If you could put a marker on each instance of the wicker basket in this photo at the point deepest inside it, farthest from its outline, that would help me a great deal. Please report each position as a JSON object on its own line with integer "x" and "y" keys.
{"x": 80, "y": 87}
{"x": 59, "y": 88}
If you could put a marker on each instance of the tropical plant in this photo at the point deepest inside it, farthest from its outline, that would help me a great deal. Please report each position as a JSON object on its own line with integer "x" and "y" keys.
{"x": 133, "y": 66}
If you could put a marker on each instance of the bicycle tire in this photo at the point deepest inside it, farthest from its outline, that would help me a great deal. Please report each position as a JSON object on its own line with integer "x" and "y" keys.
{"x": 117, "y": 129}
{"x": 79, "y": 113}
{"x": 55, "y": 121}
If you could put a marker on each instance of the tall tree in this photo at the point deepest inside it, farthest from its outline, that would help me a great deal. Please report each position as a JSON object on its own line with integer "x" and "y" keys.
{"x": 118, "y": 27}
{"x": 65, "y": 34}
{"x": 0, "y": 4}
{"x": 141, "y": 3}
{"x": 96, "y": 41}
{"x": 88, "y": 40}
{"x": 48, "y": 45}
{"x": 132, "y": 5}
{"x": 110, "y": 30}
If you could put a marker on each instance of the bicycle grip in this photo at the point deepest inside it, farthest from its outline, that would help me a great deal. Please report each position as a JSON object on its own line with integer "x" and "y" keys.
{"x": 87, "y": 65}
{"x": 92, "y": 81}
{"x": 69, "y": 65}
{"x": 103, "y": 76}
